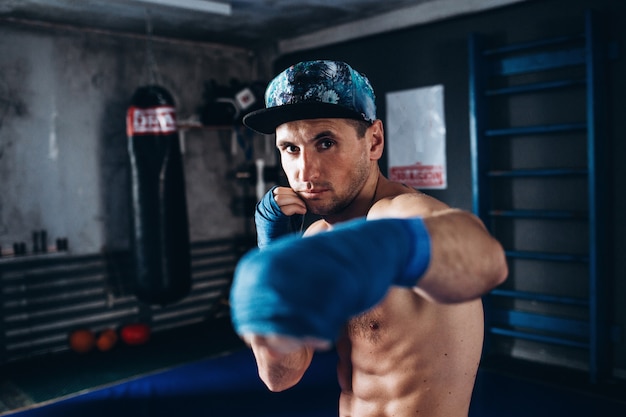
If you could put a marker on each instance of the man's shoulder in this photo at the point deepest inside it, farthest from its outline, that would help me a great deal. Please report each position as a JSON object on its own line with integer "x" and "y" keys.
{"x": 405, "y": 202}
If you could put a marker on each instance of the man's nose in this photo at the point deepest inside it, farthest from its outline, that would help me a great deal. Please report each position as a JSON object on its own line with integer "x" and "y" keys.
{"x": 309, "y": 166}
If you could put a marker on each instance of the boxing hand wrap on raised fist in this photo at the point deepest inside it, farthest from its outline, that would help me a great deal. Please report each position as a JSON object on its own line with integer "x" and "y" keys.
{"x": 271, "y": 222}
{"x": 309, "y": 287}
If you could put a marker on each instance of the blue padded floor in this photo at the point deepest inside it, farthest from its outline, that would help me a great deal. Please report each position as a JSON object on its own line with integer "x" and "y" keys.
{"x": 221, "y": 386}
{"x": 228, "y": 386}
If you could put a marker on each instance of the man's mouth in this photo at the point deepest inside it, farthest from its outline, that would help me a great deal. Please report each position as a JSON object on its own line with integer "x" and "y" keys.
{"x": 314, "y": 193}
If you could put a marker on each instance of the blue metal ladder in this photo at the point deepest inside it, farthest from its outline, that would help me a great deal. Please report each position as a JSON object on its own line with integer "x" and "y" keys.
{"x": 579, "y": 63}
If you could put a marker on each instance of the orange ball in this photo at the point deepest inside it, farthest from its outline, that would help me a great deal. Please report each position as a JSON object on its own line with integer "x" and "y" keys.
{"x": 106, "y": 340}
{"x": 82, "y": 340}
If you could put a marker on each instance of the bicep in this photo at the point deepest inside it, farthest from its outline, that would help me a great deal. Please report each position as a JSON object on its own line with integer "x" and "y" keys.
{"x": 466, "y": 260}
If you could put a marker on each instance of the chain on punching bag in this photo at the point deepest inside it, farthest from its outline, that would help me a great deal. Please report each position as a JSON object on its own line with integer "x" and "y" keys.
{"x": 160, "y": 224}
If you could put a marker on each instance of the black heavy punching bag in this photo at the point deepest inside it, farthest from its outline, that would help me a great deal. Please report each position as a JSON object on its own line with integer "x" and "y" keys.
{"x": 160, "y": 224}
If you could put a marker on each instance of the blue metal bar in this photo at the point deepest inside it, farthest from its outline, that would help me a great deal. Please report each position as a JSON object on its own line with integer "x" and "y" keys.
{"x": 597, "y": 151}
{"x": 554, "y": 172}
{"x": 478, "y": 148}
{"x": 525, "y": 130}
{"x": 540, "y": 214}
{"x": 539, "y": 338}
{"x": 526, "y": 88}
{"x": 547, "y": 256}
{"x": 538, "y": 62}
{"x": 541, "y": 322}
{"x": 532, "y": 45}
{"x": 545, "y": 298}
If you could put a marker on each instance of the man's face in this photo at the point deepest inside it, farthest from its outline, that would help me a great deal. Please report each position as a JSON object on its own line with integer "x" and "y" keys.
{"x": 325, "y": 161}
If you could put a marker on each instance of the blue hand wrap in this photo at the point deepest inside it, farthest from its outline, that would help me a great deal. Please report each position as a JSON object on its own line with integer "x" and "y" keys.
{"x": 271, "y": 222}
{"x": 309, "y": 287}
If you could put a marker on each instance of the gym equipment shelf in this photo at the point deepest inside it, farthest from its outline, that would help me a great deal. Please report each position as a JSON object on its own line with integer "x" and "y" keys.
{"x": 506, "y": 73}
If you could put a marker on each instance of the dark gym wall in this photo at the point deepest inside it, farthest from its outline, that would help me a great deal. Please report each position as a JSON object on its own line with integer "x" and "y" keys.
{"x": 438, "y": 54}
{"x": 63, "y": 148}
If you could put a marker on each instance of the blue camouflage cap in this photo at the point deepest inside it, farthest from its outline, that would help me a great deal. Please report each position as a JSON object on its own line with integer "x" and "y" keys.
{"x": 314, "y": 90}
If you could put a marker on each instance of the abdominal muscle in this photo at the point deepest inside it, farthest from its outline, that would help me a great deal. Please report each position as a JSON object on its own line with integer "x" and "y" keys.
{"x": 410, "y": 357}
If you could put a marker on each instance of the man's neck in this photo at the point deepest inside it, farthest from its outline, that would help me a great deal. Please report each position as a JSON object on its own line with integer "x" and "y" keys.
{"x": 362, "y": 203}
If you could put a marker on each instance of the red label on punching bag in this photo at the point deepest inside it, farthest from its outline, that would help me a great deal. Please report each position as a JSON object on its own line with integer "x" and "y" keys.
{"x": 151, "y": 121}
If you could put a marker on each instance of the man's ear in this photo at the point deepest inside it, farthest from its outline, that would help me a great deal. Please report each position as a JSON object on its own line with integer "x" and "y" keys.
{"x": 376, "y": 135}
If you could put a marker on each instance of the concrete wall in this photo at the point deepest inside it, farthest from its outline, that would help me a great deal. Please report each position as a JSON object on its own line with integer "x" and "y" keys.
{"x": 63, "y": 150}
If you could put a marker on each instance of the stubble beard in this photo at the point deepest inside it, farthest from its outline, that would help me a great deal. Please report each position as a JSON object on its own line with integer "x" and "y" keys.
{"x": 339, "y": 203}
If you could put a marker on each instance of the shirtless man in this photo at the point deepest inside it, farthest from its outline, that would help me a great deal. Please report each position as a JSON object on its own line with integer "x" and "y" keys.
{"x": 390, "y": 276}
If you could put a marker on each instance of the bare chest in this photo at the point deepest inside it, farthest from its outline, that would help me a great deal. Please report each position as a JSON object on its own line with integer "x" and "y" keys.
{"x": 369, "y": 327}
{"x": 388, "y": 320}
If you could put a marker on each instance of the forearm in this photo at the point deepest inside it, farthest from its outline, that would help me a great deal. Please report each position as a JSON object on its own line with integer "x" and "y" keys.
{"x": 280, "y": 370}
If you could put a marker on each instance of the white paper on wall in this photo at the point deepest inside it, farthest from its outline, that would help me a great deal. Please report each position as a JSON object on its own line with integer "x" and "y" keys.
{"x": 416, "y": 137}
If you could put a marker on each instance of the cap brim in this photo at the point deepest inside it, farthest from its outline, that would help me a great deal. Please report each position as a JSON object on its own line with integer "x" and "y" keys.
{"x": 267, "y": 120}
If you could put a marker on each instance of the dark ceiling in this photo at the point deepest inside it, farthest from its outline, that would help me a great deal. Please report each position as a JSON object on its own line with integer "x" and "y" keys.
{"x": 251, "y": 23}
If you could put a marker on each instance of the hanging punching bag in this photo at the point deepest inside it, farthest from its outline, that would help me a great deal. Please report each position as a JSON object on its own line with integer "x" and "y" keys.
{"x": 159, "y": 218}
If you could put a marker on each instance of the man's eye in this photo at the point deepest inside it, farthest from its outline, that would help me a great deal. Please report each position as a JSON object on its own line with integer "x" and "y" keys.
{"x": 291, "y": 149}
{"x": 325, "y": 144}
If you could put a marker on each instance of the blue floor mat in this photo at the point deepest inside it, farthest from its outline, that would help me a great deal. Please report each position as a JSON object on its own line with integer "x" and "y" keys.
{"x": 216, "y": 387}
{"x": 228, "y": 386}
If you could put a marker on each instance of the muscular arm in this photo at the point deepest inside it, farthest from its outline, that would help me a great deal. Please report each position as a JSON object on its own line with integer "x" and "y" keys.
{"x": 459, "y": 262}
{"x": 466, "y": 261}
